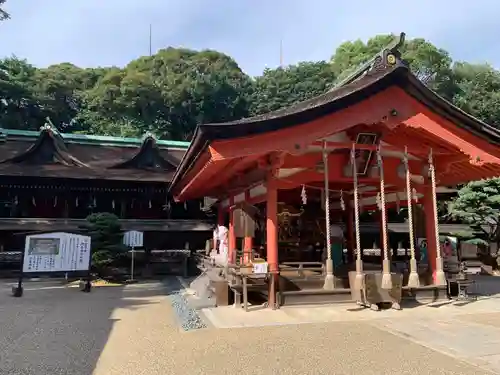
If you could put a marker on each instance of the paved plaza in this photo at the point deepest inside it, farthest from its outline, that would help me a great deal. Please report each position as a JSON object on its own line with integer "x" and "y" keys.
{"x": 133, "y": 330}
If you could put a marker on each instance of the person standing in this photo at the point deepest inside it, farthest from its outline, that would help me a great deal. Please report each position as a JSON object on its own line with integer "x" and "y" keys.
{"x": 223, "y": 243}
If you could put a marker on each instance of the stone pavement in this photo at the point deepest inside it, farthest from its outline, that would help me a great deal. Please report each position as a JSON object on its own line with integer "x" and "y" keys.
{"x": 132, "y": 330}
{"x": 475, "y": 343}
{"x": 231, "y": 317}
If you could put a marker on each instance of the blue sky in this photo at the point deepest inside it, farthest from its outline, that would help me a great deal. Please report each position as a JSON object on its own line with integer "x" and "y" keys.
{"x": 113, "y": 32}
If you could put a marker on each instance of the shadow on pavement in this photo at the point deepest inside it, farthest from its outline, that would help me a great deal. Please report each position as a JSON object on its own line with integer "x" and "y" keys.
{"x": 64, "y": 331}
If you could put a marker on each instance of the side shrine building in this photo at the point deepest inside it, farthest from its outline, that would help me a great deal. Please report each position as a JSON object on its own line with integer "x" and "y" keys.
{"x": 51, "y": 181}
{"x": 380, "y": 138}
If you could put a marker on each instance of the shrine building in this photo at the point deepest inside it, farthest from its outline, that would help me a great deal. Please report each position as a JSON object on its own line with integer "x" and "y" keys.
{"x": 50, "y": 181}
{"x": 379, "y": 139}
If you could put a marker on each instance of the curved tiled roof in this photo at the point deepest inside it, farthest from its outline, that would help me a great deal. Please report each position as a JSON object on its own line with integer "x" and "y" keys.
{"x": 384, "y": 70}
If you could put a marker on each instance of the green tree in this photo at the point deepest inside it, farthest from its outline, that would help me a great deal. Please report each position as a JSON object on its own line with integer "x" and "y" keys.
{"x": 3, "y": 14}
{"x": 477, "y": 91}
{"x": 19, "y": 105}
{"x": 282, "y": 87}
{"x": 107, "y": 238}
{"x": 59, "y": 89}
{"x": 430, "y": 64}
{"x": 478, "y": 204}
{"x": 171, "y": 92}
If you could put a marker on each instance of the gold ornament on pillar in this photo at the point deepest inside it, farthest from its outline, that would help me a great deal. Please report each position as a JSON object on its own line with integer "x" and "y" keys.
{"x": 342, "y": 203}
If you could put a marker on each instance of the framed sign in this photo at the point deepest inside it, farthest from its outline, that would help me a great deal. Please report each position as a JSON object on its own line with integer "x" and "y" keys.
{"x": 133, "y": 238}
{"x": 260, "y": 268}
{"x": 363, "y": 157}
{"x": 56, "y": 252}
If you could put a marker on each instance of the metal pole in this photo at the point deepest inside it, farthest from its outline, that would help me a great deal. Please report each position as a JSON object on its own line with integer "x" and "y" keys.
{"x": 17, "y": 291}
{"x": 132, "y": 265}
{"x": 150, "y": 39}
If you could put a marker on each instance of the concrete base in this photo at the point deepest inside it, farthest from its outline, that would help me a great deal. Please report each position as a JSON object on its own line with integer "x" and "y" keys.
{"x": 425, "y": 294}
{"x": 85, "y": 286}
{"x": 313, "y": 297}
{"x": 17, "y": 291}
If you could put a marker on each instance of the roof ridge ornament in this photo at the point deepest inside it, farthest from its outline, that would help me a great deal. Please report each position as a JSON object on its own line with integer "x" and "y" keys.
{"x": 48, "y": 126}
{"x": 149, "y": 134}
{"x": 148, "y": 157}
{"x": 386, "y": 57}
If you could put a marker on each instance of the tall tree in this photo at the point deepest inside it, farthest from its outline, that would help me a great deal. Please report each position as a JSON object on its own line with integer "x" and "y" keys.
{"x": 477, "y": 91}
{"x": 478, "y": 204}
{"x": 19, "y": 106}
{"x": 3, "y": 14}
{"x": 430, "y": 64}
{"x": 171, "y": 92}
{"x": 282, "y": 87}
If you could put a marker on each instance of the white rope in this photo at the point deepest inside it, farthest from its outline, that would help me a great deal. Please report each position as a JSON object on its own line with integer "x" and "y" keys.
{"x": 440, "y": 276}
{"x": 413, "y": 279}
{"x": 386, "y": 276}
{"x": 327, "y": 204}
{"x": 359, "y": 262}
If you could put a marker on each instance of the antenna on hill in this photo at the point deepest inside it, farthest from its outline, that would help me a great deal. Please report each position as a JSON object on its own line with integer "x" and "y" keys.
{"x": 281, "y": 53}
{"x": 150, "y": 37}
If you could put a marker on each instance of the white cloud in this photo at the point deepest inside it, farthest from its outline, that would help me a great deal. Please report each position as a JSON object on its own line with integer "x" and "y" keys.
{"x": 112, "y": 32}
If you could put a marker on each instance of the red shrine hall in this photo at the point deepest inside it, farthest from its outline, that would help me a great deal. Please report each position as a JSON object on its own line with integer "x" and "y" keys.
{"x": 377, "y": 140}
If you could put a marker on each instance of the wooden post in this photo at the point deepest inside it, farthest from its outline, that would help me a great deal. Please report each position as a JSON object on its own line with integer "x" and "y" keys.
{"x": 232, "y": 234}
{"x": 272, "y": 236}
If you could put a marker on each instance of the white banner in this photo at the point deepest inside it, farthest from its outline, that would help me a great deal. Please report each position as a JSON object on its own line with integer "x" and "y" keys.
{"x": 133, "y": 238}
{"x": 56, "y": 252}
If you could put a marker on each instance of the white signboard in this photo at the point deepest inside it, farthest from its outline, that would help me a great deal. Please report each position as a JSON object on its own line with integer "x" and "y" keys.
{"x": 133, "y": 238}
{"x": 260, "y": 268}
{"x": 56, "y": 252}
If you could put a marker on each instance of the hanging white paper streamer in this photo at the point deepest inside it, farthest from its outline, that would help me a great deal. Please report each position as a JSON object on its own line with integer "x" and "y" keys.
{"x": 303, "y": 195}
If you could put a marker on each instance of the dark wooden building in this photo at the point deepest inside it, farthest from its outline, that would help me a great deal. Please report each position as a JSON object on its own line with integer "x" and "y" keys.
{"x": 51, "y": 181}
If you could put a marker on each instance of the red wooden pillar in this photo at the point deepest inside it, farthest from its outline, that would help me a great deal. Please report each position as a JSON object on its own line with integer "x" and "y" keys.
{"x": 220, "y": 215}
{"x": 430, "y": 231}
{"x": 248, "y": 240}
{"x": 232, "y": 234}
{"x": 272, "y": 236}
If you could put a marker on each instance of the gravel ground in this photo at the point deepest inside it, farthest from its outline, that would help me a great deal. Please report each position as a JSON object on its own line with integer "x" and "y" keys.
{"x": 187, "y": 317}
{"x": 135, "y": 331}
